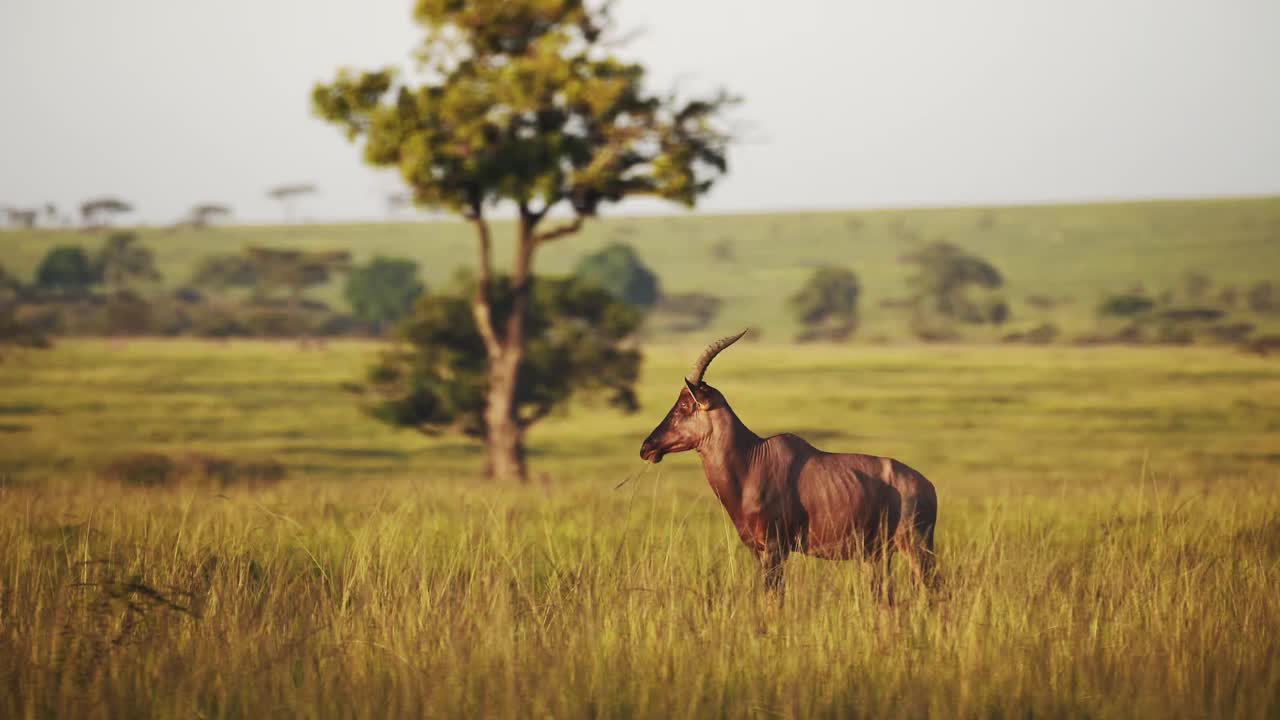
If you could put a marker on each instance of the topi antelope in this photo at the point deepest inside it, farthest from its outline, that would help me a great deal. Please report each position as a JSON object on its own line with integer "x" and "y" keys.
{"x": 784, "y": 495}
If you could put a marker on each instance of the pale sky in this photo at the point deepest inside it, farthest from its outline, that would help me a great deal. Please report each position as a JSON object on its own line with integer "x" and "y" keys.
{"x": 849, "y": 104}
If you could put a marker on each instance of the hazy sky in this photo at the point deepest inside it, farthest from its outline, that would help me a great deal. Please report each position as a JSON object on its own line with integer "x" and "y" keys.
{"x": 850, "y": 104}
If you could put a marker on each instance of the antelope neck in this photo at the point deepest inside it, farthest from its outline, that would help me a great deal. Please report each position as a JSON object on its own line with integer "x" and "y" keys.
{"x": 727, "y": 455}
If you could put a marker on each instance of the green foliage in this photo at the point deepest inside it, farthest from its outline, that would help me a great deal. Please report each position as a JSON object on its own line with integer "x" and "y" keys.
{"x": 382, "y": 292}
{"x": 525, "y": 101}
{"x": 15, "y": 329}
{"x": 100, "y": 210}
{"x": 154, "y": 469}
{"x": 123, "y": 262}
{"x": 1108, "y": 248}
{"x": 223, "y": 272}
{"x": 827, "y": 305}
{"x": 141, "y": 469}
{"x": 438, "y": 379}
{"x": 295, "y": 270}
{"x": 203, "y": 215}
{"x": 945, "y": 280}
{"x": 618, "y": 269}
{"x": 67, "y": 268}
{"x": 127, "y": 314}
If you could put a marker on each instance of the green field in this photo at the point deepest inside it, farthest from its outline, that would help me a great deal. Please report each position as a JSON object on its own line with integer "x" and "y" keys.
{"x": 1071, "y": 254}
{"x": 1108, "y": 538}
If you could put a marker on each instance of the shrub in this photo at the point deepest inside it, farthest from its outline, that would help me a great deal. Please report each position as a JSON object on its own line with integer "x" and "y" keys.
{"x": 153, "y": 469}
{"x": 1231, "y": 333}
{"x": 1263, "y": 345}
{"x": 619, "y": 270}
{"x": 382, "y": 292}
{"x": 1126, "y": 305}
{"x": 140, "y": 469}
{"x": 827, "y": 304}
{"x": 945, "y": 281}
{"x": 127, "y": 314}
{"x": 1042, "y": 334}
{"x": 227, "y": 472}
{"x": 66, "y": 268}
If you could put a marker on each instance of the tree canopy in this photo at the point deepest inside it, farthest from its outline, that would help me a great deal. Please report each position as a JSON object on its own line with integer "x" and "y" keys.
{"x": 945, "y": 282}
{"x": 827, "y": 305}
{"x": 66, "y": 268}
{"x": 618, "y": 269}
{"x": 382, "y": 292}
{"x": 222, "y": 272}
{"x": 99, "y": 211}
{"x": 287, "y": 195}
{"x": 205, "y": 213}
{"x": 523, "y": 101}
{"x": 295, "y": 270}
{"x": 438, "y": 380}
{"x": 123, "y": 262}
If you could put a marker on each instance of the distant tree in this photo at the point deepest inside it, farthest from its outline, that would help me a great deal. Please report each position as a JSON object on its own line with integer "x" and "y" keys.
{"x": 524, "y": 102}
{"x": 1126, "y": 305}
{"x": 14, "y": 331}
{"x": 203, "y": 215}
{"x": 66, "y": 268}
{"x": 618, "y": 269}
{"x": 827, "y": 305}
{"x": 946, "y": 276}
{"x": 51, "y": 213}
{"x": 294, "y": 271}
{"x": 223, "y": 272}
{"x": 437, "y": 380}
{"x": 100, "y": 211}
{"x": 123, "y": 262}
{"x": 24, "y": 218}
{"x": 10, "y": 286}
{"x": 287, "y": 196}
{"x": 382, "y": 292}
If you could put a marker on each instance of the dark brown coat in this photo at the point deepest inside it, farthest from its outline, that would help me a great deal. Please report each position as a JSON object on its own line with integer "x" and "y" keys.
{"x": 784, "y": 495}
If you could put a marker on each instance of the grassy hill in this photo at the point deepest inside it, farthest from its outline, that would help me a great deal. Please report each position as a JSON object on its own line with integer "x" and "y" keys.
{"x": 1072, "y": 254}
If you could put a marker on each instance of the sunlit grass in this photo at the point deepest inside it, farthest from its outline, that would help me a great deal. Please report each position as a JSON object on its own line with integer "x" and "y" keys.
{"x": 1108, "y": 539}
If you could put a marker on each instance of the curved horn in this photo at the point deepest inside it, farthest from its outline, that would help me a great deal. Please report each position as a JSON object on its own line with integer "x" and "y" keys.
{"x": 700, "y": 367}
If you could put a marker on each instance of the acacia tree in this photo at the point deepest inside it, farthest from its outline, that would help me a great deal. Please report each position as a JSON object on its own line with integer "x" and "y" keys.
{"x": 287, "y": 196}
{"x": 204, "y": 214}
{"x": 123, "y": 262}
{"x": 524, "y": 102}
{"x": 99, "y": 211}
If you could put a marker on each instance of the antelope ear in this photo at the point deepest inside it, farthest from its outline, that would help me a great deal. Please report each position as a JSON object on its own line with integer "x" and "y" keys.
{"x": 699, "y": 397}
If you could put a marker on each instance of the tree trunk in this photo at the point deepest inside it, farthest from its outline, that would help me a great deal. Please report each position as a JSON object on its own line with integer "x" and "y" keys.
{"x": 504, "y": 436}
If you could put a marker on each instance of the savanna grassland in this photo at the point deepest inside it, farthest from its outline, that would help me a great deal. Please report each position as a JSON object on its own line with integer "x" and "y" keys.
{"x": 1109, "y": 539}
{"x": 1069, "y": 255}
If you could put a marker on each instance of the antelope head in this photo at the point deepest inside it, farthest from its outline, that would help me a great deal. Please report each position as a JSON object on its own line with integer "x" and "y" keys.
{"x": 693, "y": 418}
